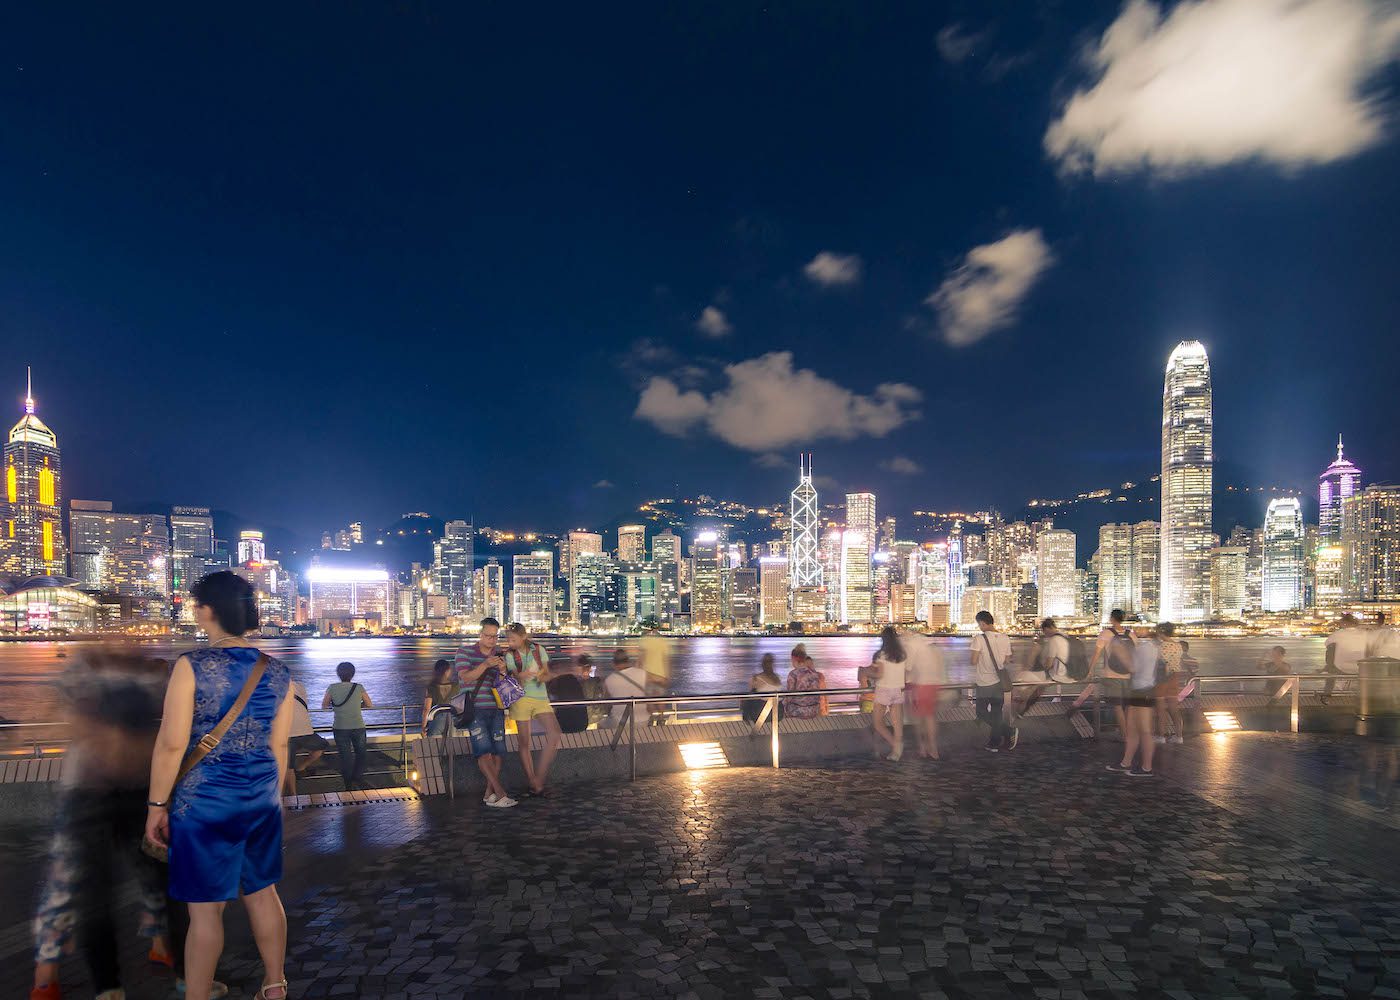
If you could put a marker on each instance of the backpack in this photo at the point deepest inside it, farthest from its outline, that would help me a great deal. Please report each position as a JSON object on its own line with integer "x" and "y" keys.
{"x": 1120, "y": 652}
{"x": 1077, "y": 660}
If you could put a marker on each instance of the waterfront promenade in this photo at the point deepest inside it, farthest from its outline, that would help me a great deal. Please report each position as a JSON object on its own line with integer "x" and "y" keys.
{"x": 1249, "y": 867}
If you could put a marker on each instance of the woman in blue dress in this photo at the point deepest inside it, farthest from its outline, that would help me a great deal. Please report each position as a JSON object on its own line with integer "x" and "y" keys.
{"x": 223, "y": 822}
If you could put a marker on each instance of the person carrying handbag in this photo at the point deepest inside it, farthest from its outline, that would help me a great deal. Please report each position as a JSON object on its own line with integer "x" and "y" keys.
{"x": 991, "y": 651}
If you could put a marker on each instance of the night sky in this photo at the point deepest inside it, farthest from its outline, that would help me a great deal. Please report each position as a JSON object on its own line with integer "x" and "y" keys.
{"x": 321, "y": 263}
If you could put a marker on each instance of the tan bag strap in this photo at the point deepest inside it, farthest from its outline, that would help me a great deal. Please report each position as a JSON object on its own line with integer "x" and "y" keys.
{"x": 211, "y": 739}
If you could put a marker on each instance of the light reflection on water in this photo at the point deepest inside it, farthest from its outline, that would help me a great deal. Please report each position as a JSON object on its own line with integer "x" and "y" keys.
{"x": 394, "y": 670}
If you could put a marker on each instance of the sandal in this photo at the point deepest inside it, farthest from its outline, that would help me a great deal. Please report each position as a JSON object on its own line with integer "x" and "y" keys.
{"x": 280, "y": 985}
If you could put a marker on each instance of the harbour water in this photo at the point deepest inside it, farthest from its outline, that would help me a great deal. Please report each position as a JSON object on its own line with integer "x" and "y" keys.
{"x": 394, "y": 670}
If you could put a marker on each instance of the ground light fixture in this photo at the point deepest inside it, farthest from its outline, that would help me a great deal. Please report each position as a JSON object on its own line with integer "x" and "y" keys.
{"x": 698, "y": 756}
{"x": 1222, "y": 722}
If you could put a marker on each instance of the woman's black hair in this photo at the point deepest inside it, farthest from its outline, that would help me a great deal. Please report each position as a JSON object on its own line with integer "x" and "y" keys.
{"x": 890, "y": 646}
{"x": 766, "y": 665}
{"x": 345, "y": 670}
{"x": 441, "y": 669}
{"x": 230, "y": 598}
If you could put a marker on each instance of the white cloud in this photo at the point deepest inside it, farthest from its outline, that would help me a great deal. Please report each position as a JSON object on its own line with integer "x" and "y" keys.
{"x": 833, "y": 269}
{"x": 955, "y": 44}
{"x": 902, "y": 466}
{"x": 767, "y": 404}
{"x": 773, "y": 460}
{"x": 714, "y": 323}
{"x": 1219, "y": 81}
{"x": 985, "y": 291}
{"x": 603, "y": 484}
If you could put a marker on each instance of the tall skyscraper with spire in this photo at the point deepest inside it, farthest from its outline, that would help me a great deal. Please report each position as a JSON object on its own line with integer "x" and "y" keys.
{"x": 1187, "y": 470}
{"x": 1338, "y": 481}
{"x": 804, "y": 556}
{"x": 31, "y": 521}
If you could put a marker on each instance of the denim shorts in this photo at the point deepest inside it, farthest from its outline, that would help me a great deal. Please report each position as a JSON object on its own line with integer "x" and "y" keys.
{"x": 488, "y": 732}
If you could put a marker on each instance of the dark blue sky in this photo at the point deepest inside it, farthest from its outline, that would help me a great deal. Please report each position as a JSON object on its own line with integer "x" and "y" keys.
{"x": 318, "y": 263}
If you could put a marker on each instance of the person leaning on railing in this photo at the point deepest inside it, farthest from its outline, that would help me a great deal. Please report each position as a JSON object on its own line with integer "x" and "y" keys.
{"x": 439, "y": 693}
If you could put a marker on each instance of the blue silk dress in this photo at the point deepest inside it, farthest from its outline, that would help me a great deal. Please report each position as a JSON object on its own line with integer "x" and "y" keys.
{"x": 226, "y": 815}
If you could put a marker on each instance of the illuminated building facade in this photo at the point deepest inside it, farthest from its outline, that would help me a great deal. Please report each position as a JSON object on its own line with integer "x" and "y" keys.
{"x": 1283, "y": 555}
{"x": 532, "y": 589}
{"x": 1115, "y": 566}
{"x": 1338, "y": 481}
{"x": 744, "y": 595}
{"x": 957, "y": 577}
{"x": 1229, "y": 574}
{"x": 1371, "y": 543}
{"x": 1057, "y": 585}
{"x": 451, "y": 571}
{"x": 773, "y": 591}
{"x": 1147, "y": 574}
{"x": 706, "y": 609}
{"x": 191, "y": 547}
{"x": 1187, "y": 471}
{"x": 127, "y": 555}
{"x": 809, "y": 605}
{"x": 31, "y": 515}
{"x": 632, "y": 543}
{"x": 493, "y": 590}
{"x": 47, "y": 604}
{"x": 860, "y": 516}
{"x": 857, "y": 604}
{"x": 588, "y": 590}
{"x": 666, "y": 556}
{"x": 999, "y": 601}
{"x": 251, "y": 547}
{"x": 805, "y": 561}
{"x": 345, "y": 599}
{"x": 1329, "y": 576}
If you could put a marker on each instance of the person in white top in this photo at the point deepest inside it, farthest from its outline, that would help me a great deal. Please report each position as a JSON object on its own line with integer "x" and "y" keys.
{"x": 991, "y": 657}
{"x": 1047, "y": 664}
{"x": 302, "y": 737}
{"x": 888, "y": 669}
{"x": 926, "y": 676}
{"x": 1346, "y": 648}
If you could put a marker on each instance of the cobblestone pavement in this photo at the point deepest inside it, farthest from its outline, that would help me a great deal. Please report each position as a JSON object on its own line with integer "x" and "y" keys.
{"x": 1033, "y": 874}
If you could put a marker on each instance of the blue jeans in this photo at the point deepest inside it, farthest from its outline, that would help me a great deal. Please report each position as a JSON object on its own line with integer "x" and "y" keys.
{"x": 350, "y": 748}
{"x": 488, "y": 732}
{"x": 437, "y": 725}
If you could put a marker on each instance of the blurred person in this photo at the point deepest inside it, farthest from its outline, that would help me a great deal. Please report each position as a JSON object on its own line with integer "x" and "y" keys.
{"x": 219, "y": 813}
{"x": 927, "y": 676}
{"x": 804, "y": 676}
{"x": 567, "y": 684}
{"x": 113, "y": 704}
{"x": 478, "y": 665}
{"x": 1114, "y": 648}
{"x": 303, "y": 739}
{"x": 347, "y": 699}
{"x": 1276, "y": 665}
{"x": 593, "y": 688}
{"x": 1044, "y": 663}
{"x": 627, "y": 680}
{"x": 1169, "y": 691}
{"x": 991, "y": 652}
{"x": 656, "y": 658}
{"x": 439, "y": 694}
{"x": 1148, "y": 671}
{"x": 766, "y": 681}
{"x": 1346, "y": 648}
{"x": 888, "y": 668}
{"x": 529, "y": 662}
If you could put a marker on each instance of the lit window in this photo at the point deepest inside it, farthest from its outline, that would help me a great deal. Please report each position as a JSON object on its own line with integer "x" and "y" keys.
{"x": 11, "y": 483}
{"x": 48, "y": 541}
{"x": 46, "y": 489}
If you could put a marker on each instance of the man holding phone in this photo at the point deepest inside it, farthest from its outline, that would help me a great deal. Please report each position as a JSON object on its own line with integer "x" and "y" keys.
{"x": 478, "y": 665}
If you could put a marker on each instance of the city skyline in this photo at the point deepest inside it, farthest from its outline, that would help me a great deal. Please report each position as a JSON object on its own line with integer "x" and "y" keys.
{"x": 702, "y": 281}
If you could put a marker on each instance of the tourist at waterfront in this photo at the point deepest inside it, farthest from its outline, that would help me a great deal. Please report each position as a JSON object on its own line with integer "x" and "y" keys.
{"x": 439, "y": 694}
{"x": 1114, "y": 649}
{"x": 567, "y": 684}
{"x": 1169, "y": 691}
{"x": 347, "y": 699}
{"x": 1044, "y": 665}
{"x": 529, "y": 662}
{"x": 991, "y": 652}
{"x": 627, "y": 680}
{"x": 113, "y": 712}
{"x": 303, "y": 739}
{"x": 766, "y": 681}
{"x": 1146, "y": 673}
{"x": 478, "y": 665}
{"x": 1276, "y": 665}
{"x": 927, "y": 675}
{"x": 221, "y": 819}
{"x": 593, "y": 688}
{"x": 804, "y": 676}
{"x": 1346, "y": 648}
{"x": 888, "y": 669}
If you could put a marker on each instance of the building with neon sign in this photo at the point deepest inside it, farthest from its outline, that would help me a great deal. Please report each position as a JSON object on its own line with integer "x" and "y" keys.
{"x": 31, "y": 515}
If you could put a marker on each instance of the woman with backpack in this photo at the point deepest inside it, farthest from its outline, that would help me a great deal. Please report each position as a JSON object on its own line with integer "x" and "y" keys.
{"x": 347, "y": 699}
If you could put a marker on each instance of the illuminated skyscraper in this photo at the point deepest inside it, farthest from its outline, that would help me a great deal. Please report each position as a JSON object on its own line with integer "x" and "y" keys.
{"x": 1147, "y": 576}
{"x": 857, "y": 598}
{"x": 1371, "y": 543}
{"x": 957, "y": 576}
{"x": 666, "y": 555}
{"x": 31, "y": 518}
{"x": 1187, "y": 466}
{"x": 1338, "y": 481}
{"x": 1229, "y": 571}
{"x": 453, "y": 564}
{"x": 804, "y": 559}
{"x": 191, "y": 545}
{"x": 493, "y": 590}
{"x": 1283, "y": 555}
{"x": 632, "y": 543}
{"x": 532, "y": 589}
{"x": 251, "y": 547}
{"x": 706, "y": 609}
{"x": 1115, "y": 568}
{"x": 831, "y": 573}
{"x": 773, "y": 591}
{"x": 860, "y": 516}
{"x": 1058, "y": 587}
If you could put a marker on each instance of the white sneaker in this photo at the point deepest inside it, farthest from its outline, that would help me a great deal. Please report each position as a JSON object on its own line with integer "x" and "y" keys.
{"x": 1178, "y": 740}
{"x": 894, "y": 756}
{"x": 504, "y": 802}
{"x": 1159, "y": 740}
{"x": 489, "y": 798}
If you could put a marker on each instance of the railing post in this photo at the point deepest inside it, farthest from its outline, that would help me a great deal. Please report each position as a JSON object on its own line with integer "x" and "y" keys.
{"x": 1297, "y": 700}
{"x": 632, "y": 735}
{"x": 1098, "y": 710}
{"x": 403, "y": 741}
{"x": 451, "y": 759}
{"x": 773, "y": 721}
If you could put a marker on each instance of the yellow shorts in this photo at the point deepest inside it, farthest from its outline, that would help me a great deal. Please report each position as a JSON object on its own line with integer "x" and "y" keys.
{"x": 527, "y": 708}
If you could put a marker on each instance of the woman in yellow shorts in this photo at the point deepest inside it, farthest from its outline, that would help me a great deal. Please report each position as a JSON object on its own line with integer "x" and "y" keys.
{"x": 529, "y": 661}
